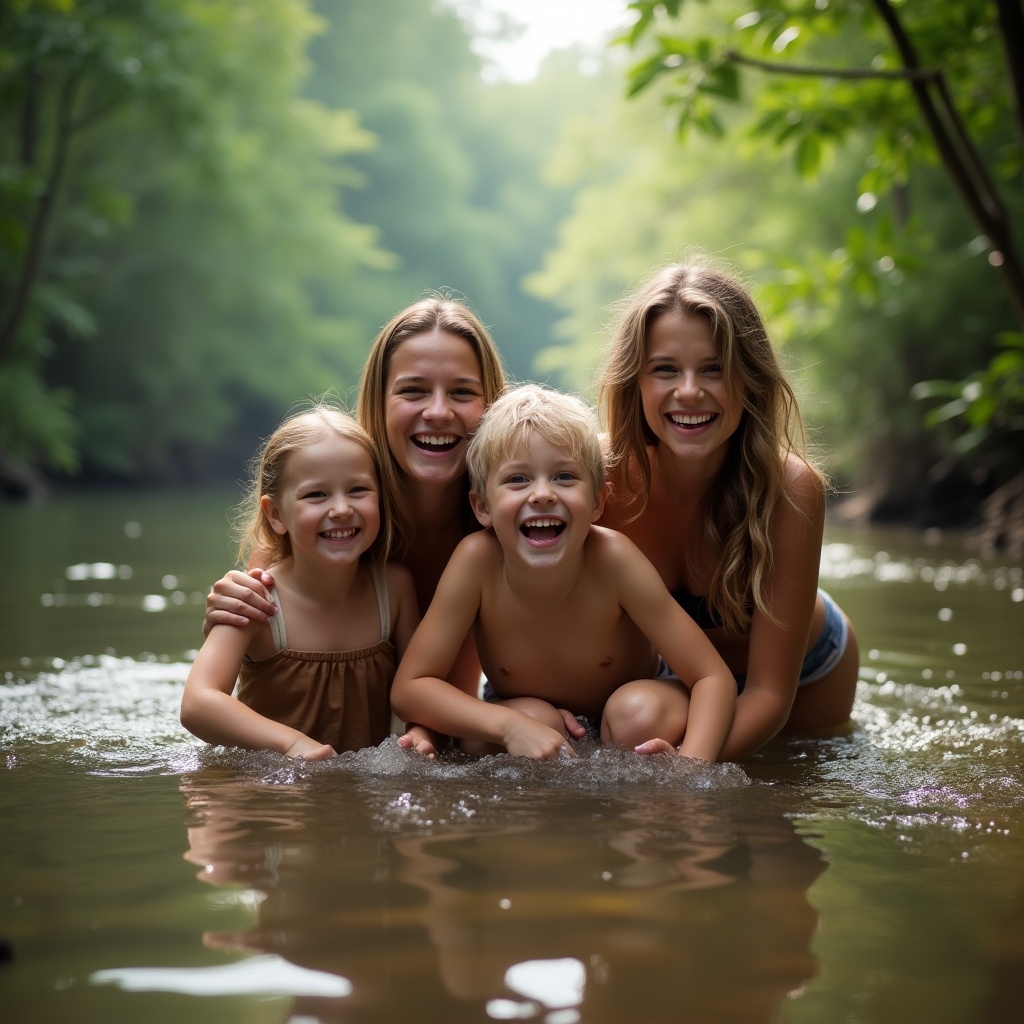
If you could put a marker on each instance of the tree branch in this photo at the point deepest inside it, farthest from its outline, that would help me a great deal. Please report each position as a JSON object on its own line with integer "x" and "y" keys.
{"x": 776, "y": 67}
{"x": 1011, "y": 22}
{"x": 962, "y": 162}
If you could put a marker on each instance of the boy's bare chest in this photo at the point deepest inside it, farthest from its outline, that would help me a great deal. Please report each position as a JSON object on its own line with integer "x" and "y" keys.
{"x": 573, "y": 654}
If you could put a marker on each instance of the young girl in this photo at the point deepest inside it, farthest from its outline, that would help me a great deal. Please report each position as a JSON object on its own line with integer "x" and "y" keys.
{"x": 711, "y": 482}
{"x": 431, "y": 372}
{"x": 316, "y": 679}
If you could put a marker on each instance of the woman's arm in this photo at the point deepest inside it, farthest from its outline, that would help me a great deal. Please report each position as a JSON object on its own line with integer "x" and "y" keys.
{"x": 405, "y": 615}
{"x": 209, "y": 711}
{"x": 776, "y": 649}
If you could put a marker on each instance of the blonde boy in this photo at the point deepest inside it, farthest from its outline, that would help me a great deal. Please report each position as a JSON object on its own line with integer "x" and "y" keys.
{"x": 568, "y": 616}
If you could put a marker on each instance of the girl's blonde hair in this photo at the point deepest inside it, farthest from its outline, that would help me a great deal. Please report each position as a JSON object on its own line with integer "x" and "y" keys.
{"x": 564, "y": 420}
{"x": 437, "y": 313}
{"x": 739, "y": 511}
{"x": 269, "y": 468}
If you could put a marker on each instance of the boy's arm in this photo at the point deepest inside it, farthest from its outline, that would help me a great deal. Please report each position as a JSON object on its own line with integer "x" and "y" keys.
{"x": 682, "y": 643}
{"x": 421, "y": 692}
{"x": 210, "y": 712}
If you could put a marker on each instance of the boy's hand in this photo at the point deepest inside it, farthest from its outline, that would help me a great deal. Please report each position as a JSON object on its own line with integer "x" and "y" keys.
{"x": 419, "y": 741}
{"x": 572, "y": 726}
{"x": 527, "y": 737}
{"x": 310, "y": 750}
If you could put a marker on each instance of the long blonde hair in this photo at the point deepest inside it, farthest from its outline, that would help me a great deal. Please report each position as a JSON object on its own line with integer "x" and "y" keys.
{"x": 267, "y": 474}
{"x": 739, "y": 511}
{"x": 437, "y": 313}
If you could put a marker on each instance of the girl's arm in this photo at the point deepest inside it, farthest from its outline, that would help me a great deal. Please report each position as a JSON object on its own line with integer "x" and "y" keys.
{"x": 210, "y": 712}
{"x": 777, "y": 649}
{"x": 683, "y": 644}
{"x": 421, "y": 692}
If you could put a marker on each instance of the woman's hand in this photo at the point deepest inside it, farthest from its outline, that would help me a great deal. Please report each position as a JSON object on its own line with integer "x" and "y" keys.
{"x": 239, "y": 598}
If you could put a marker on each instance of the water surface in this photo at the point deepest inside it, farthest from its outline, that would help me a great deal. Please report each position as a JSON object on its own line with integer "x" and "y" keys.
{"x": 144, "y": 876}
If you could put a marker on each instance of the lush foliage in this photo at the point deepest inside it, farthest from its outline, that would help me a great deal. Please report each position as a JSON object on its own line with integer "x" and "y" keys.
{"x": 167, "y": 212}
{"x": 829, "y": 190}
{"x": 209, "y": 207}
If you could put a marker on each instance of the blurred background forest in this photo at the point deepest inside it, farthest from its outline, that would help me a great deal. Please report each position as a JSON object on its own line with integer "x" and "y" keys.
{"x": 208, "y": 208}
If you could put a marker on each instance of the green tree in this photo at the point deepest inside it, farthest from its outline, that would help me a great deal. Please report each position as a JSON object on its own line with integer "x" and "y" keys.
{"x": 168, "y": 208}
{"x": 921, "y": 58}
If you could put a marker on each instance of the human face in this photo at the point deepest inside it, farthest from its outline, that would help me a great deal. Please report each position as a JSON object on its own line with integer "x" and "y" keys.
{"x": 434, "y": 401}
{"x": 329, "y": 504}
{"x": 683, "y": 391}
{"x": 540, "y": 502}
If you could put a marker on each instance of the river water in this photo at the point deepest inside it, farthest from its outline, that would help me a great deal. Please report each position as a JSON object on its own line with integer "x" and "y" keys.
{"x": 877, "y": 877}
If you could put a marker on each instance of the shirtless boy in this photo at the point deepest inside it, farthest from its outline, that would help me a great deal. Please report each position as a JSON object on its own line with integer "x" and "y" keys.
{"x": 569, "y": 617}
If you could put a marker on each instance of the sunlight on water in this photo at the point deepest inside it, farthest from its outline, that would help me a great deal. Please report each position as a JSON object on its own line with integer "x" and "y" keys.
{"x": 264, "y": 975}
{"x": 841, "y": 561}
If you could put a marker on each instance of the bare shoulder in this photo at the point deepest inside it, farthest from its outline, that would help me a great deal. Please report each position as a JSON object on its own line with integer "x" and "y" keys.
{"x": 476, "y": 557}
{"x": 608, "y": 548}
{"x": 478, "y": 545}
{"x": 804, "y": 485}
{"x": 801, "y": 518}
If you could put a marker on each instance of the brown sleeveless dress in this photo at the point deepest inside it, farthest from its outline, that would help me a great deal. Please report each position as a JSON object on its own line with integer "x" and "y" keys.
{"x": 335, "y": 697}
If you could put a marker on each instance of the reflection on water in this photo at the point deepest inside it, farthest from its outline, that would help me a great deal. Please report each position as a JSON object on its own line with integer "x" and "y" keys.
{"x": 872, "y": 878}
{"x": 509, "y": 890}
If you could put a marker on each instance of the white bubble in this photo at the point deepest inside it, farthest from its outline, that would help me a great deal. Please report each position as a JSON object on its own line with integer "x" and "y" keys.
{"x": 133, "y": 530}
{"x": 945, "y": 614}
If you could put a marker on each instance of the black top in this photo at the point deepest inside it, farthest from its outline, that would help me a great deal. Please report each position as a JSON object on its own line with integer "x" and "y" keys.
{"x": 697, "y": 608}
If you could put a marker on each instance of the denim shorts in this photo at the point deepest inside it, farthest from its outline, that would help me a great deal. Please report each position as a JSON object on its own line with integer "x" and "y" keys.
{"x": 830, "y": 646}
{"x": 823, "y": 656}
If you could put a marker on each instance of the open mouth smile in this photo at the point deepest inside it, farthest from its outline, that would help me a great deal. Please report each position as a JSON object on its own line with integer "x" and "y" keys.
{"x": 339, "y": 534}
{"x": 691, "y": 420}
{"x": 435, "y": 442}
{"x": 543, "y": 529}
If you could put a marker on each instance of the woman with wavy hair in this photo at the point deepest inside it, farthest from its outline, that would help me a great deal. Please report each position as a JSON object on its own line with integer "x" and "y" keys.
{"x": 713, "y": 483}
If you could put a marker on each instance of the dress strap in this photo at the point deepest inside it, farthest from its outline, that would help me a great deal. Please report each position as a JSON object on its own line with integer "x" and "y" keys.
{"x": 277, "y": 630}
{"x": 380, "y": 584}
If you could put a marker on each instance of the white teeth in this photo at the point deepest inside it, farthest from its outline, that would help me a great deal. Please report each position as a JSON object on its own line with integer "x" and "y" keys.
{"x": 543, "y": 522}
{"x": 436, "y": 439}
{"x": 690, "y": 419}
{"x": 339, "y": 534}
